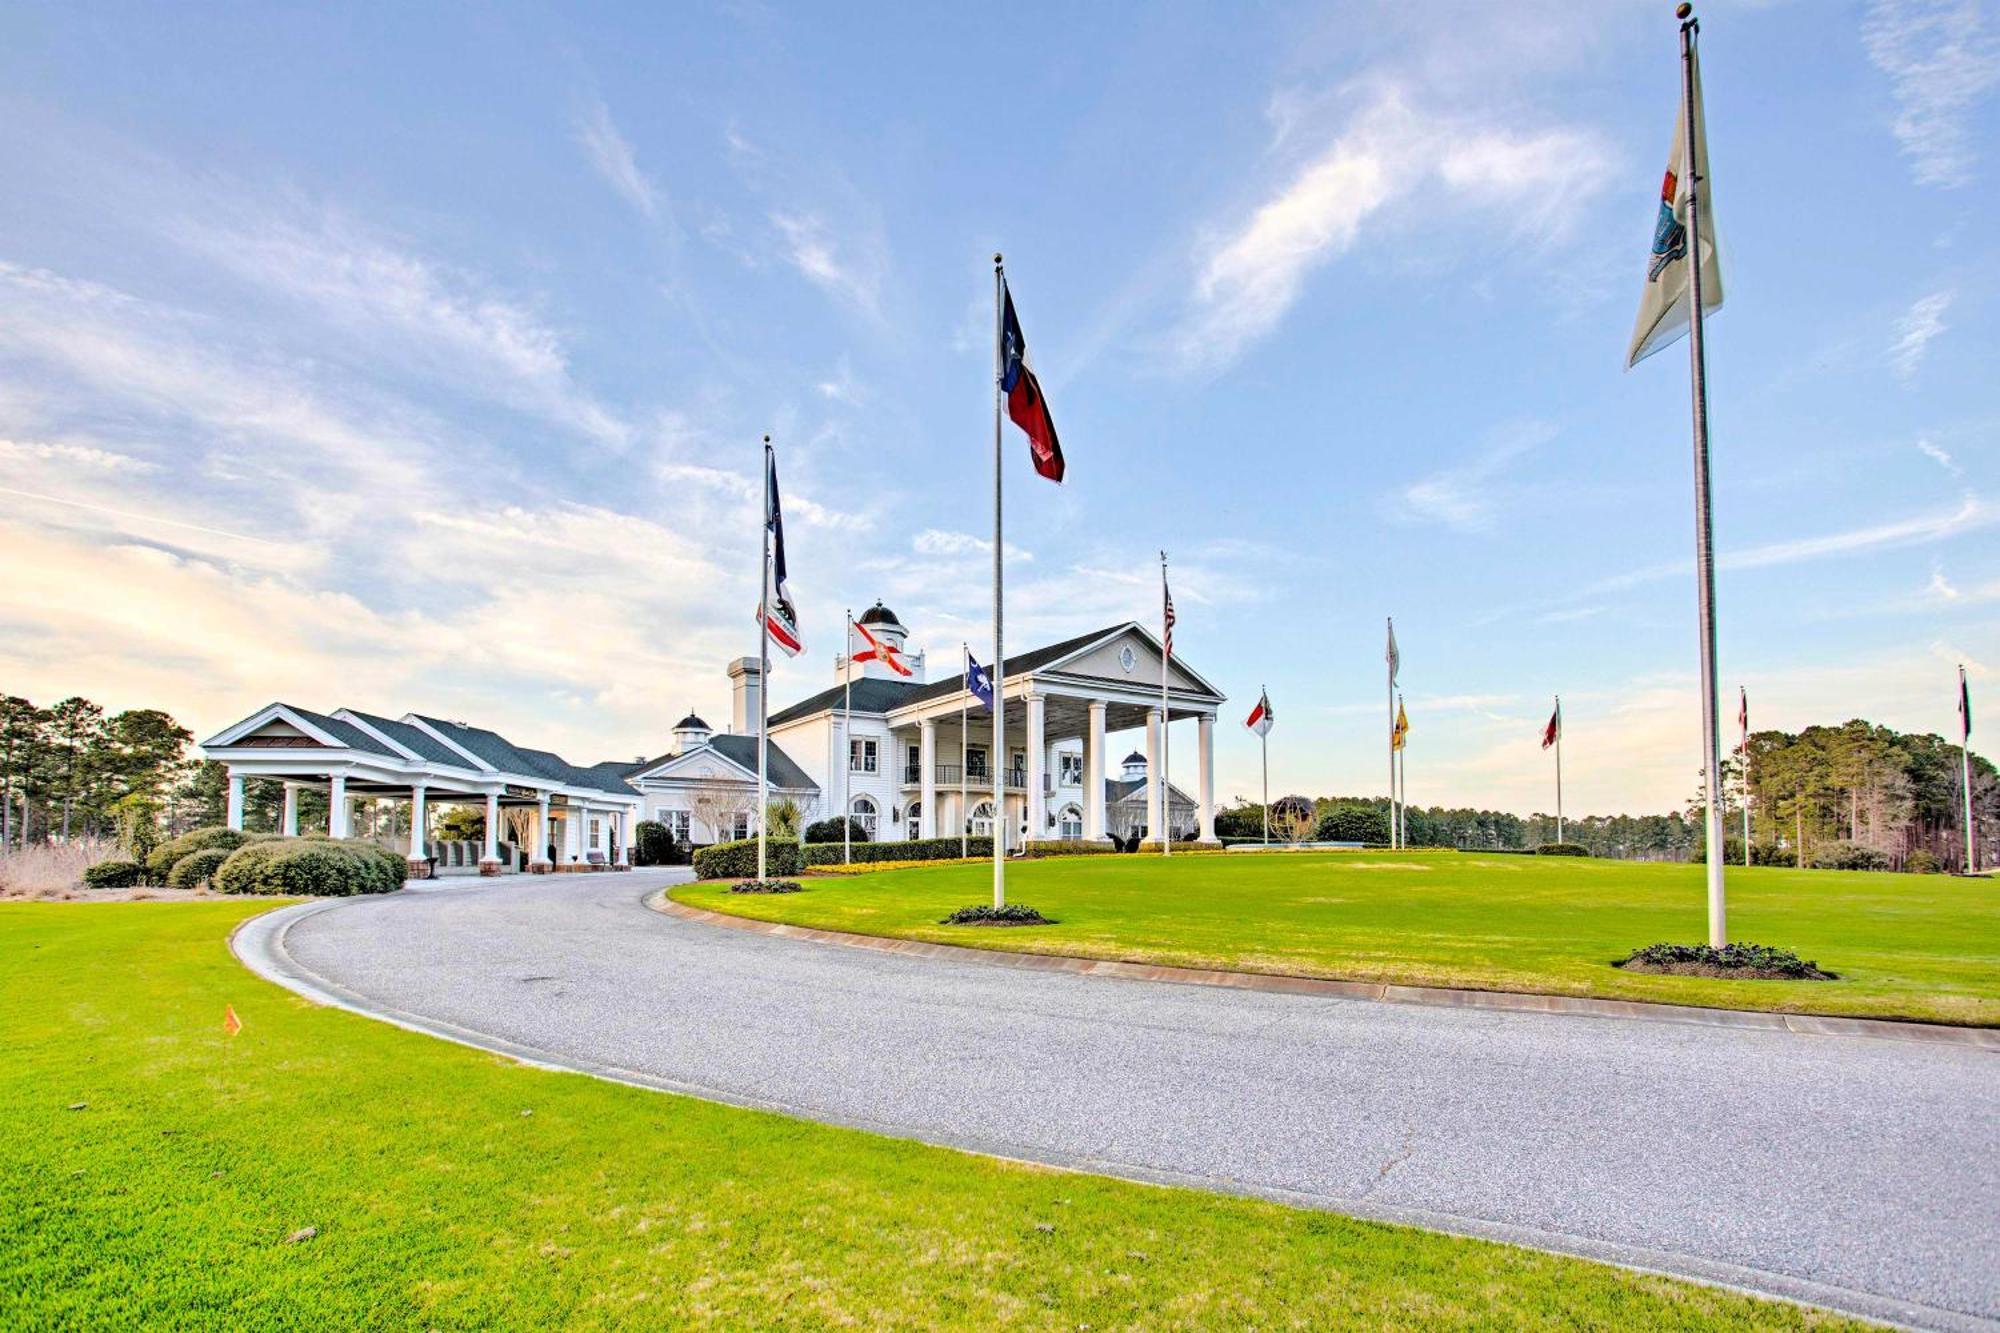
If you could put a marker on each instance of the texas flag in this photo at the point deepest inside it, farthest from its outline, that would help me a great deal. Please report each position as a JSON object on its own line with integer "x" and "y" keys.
{"x": 1025, "y": 403}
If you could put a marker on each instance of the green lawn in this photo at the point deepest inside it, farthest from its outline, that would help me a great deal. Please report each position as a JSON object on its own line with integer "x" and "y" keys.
{"x": 153, "y": 1169}
{"x": 1904, "y": 946}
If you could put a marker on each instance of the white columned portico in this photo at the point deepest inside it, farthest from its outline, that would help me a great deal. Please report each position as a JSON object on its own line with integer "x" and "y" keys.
{"x": 233, "y": 815}
{"x": 1206, "y": 796}
{"x": 1156, "y": 790}
{"x": 489, "y": 859}
{"x": 1093, "y": 774}
{"x": 417, "y": 794}
{"x": 619, "y": 822}
{"x": 288, "y": 821}
{"x": 336, "y": 805}
{"x": 1037, "y": 761}
{"x": 927, "y": 821}
{"x": 539, "y": 853}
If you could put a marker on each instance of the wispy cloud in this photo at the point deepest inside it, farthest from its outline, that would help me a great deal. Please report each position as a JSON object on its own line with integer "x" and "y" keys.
{"x": 810, "y": 248}
{"x": 1468, "y": 496}
{"x": 1941, "y": 61}
{"x": 1939, "y": 455}
{"x": 611, "y": 154}
{"x": 1387, "y": 151}
{"x": 1915, "y": 331}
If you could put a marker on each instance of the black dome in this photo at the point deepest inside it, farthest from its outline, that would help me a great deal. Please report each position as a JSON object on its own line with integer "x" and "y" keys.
{"x": 692, "y": 723}
{"x": 879, "y": 614}
{"x": 1135, "y": 758}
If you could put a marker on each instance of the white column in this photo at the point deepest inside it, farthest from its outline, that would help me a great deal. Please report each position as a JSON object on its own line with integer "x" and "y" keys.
{"x": 625, "y": 825}
{"x": 573, "y": 833}
{"x": 539, "y": 853}
{"x": 336, "y": 806}
{"x": 417, "y": 821}
{"x": 492, "y": 850}
{"x": 233, "y": 816}
{"x": 1093, "y": 774}
{"x": 1156, "y": 790}
{"x": 289, "y": 821}
{"x": 927, "y": 820}
{"x": 1037, "y": 762}
{"x": 1206, "y": 751}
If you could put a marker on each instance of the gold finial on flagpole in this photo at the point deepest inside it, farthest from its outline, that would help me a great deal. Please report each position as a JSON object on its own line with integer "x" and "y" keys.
{"x": 1683, "y": 12}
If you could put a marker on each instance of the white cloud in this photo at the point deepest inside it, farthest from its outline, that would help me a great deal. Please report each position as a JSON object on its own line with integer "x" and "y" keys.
{"x": 1386, "y": 152}
{"x": 1468, "y": 496}
{"x": 812, "y": 251}
{"x": 1915, "y": 331}
{"x": 1941, "y": 62}
{"x": 1937, "y": 454}
{"x": 936, "y": 541}
{"x": 611, "y": 154}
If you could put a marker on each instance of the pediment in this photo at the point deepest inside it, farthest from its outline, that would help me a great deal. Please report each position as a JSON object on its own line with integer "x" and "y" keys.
{"x": 698, "y": 765}
{"x": 1129, "y": 657}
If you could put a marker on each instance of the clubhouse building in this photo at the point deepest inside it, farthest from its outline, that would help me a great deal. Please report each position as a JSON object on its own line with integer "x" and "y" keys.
{"x": 906, "y": 757}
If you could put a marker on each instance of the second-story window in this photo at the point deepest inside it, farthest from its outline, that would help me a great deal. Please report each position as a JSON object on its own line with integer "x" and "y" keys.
{"x": 1072, "y": 769}
{"x": 861, "y": 755}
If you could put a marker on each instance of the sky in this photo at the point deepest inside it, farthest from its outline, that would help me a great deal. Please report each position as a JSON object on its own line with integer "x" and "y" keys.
{"x": 416, "y": 358}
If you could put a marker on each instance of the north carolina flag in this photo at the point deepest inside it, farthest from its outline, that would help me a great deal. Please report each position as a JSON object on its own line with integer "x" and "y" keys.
{"x": 1025, "y": 404}
{"x": 1260, "y": 718}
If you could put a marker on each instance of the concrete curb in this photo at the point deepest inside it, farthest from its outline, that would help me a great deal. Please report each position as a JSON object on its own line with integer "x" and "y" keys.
{"x": 1815, "y": 1025}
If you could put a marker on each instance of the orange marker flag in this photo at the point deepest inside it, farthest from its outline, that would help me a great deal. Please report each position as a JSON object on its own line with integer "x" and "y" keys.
{"x": 230, "y": 1022}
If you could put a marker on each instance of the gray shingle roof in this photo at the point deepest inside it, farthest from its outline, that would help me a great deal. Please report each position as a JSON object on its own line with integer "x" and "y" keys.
{"x": 349, "y": 735}
{"x": 412, "y": 738}
{"x": 503, "y": 754}
{"x": 783, "y": 772}
{"x": 881, "y": 696}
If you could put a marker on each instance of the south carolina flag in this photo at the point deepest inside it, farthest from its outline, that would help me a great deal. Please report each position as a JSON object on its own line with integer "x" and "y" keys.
{"x": 1260, "y": 718}
{"x": 1025, "y": 403}
{"x": 1663, "y": 304}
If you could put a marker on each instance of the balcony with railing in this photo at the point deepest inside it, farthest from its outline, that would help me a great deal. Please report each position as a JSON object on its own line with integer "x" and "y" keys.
{"x": 976, "y": 775}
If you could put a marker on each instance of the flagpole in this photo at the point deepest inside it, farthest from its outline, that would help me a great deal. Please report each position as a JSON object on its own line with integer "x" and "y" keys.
{"x": 1965, "y": 768}
{"x": 964, "y": 706}
{"x": 1704, "y": 536}
{"x": 1392, "y": 736}
{"x": 1746, "y": 781}
{"x": 999, "y": 654}
{"x": 1402, "y": 784}
{"x": 1559, "y": 768}
{"x": 1165, "y": 832}
{"x": 847, "y": 736}
{"x": 764, "y": 676}
{"x": 1264, "y": 744}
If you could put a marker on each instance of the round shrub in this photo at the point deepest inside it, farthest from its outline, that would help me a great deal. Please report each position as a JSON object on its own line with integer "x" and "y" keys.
{"x": 828, "y": 830}
{"x": 113, "y": 875}
{"x": 1353, "y": 823}
{"x": 1848, "y": 856}
{"x": 1921, "y": 862}
{"x": 738, "y": 860}
{"x": 198, "y": 868}
{"x": 311, "y": 867}
{"x": 1562, "y": 849}
{"x": 161, "y": 859}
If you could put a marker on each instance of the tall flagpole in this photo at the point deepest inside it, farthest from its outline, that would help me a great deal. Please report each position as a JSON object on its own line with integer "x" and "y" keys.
{"x": 1392, "y": 736}
{"x": 1559, "y": 768}
{"x": 764, "y": 676}
{"x": 1704, "y": 535}
{"x": 1746, "y": 780}
{"x": 999, "y": 653}
{"x": 1264, "y": 743}
{"x": 847, "y": 736}
{"x": 964, "y": 711}
{"x": 1403, "y": 786}
{"x": 1965, "y": 769}
{"x": 1165, "y": 832}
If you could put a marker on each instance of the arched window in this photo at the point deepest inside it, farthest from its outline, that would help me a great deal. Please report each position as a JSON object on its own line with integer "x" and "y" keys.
{"x": 864, "y": 812}
{"x": 1069, "y": 824}
{"x": 913, "y": 820}
{"x": 981, "y": 821}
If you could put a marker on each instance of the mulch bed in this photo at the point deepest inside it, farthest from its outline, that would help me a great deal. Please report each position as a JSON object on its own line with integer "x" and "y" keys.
{"x": 1725, "y": 973}
{"x": 1013, "y": 914}
{"x": 767, "y": 886}
{"x": 1732, "y": 962}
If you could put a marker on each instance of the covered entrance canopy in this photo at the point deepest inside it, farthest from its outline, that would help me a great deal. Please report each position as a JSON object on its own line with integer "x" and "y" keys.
{"x": 582, "y": 817}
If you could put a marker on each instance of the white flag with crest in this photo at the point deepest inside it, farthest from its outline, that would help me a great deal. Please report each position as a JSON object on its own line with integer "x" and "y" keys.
{"x": 1663, "y": 305}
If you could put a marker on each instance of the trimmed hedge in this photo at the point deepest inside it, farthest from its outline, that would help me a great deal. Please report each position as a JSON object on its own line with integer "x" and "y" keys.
{"x": 161, "y": 859}
{"x": 1068, "y": 847}
{"x": 738, "y": 860}
{"x": 198, "y": 868}
{"x": 315, "y": 867}
{"x": 114, "y": 875}
{"x": 1562, "y": 849}
{"x": 915, "y": 849}
{"x": 828, "y": 830}
{"x": 1847, "y": 856}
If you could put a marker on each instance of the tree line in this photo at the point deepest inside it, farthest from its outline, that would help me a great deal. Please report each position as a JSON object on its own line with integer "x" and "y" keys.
{"x": 69, "y": 771}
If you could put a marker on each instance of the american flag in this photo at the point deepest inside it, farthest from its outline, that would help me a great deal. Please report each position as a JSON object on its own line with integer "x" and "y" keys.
{"x": 1168, "y": 596}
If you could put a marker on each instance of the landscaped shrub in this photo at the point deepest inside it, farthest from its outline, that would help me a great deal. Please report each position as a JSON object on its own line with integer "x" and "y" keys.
{"x": 767, "y": 886}
{"x": 161, "y": 859}
{"x": 652, "y": 844}
{"x": 915, "y": 849}
{"x": 986, "y": 914}
{"x": 1562, "y": 849}
{"x": 312, "y": 866}
{"x": 1921, "y": 862}
{"x": 828, "y": 830}
{"x": 1848, "y": 856}
{"x": 113, "y": 875}
{"x": 1069, "y": 847}
{"x": 198, "y": 868}
{"x": 738, "y": 860}
{"x": 1761, "y": 961}
{"x": 1353, "y": 823}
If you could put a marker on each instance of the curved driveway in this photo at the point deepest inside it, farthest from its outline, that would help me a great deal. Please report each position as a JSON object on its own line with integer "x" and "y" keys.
{"x": 1854, "y": 1172}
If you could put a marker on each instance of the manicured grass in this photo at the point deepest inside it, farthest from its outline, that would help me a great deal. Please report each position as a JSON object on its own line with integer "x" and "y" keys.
{"x": 1905, "y": 946}
{"x": 452, "y": 1189}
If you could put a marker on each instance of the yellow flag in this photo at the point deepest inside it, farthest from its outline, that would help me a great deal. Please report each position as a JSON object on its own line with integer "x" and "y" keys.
{"x": 1402, "y": 725}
